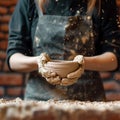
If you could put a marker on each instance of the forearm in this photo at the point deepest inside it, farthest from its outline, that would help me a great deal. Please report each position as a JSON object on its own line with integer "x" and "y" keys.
{"x": 21, "y": 63}
{"x": 104, "y": 62}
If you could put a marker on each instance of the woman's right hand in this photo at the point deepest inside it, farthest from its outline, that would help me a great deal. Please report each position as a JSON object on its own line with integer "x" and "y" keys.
{"x": 51, "y": 77}
{"x": 42, "y": 60}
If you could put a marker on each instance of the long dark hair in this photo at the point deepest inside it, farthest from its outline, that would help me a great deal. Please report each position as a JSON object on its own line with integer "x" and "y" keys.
{"x": 91, "y": 4}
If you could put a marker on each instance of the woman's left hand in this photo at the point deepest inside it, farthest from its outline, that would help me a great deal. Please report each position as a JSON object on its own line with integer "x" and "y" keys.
{"x": 73, "y": 77}
{"x": 68, "y": 81}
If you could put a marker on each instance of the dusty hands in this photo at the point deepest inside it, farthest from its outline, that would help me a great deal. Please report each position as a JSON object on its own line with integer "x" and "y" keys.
{"x": 51, "y": 77}
{"x": 73, "y": 77}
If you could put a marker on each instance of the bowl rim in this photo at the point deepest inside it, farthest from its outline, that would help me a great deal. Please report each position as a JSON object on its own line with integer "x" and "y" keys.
{"x": 62, "y": 61}
{"x": 61, "y": 64}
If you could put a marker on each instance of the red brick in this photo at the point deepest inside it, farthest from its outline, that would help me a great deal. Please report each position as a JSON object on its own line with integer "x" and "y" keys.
{"x": 1, "y": 64}
{"x": 117, "y": 76}
{"x": 2, "y": 54}
{"x": 2, "y": 35}
{"x": 5, "y": 68}
{"x": 5, "y": 18}
{"x": 112, "y": 85}
{"x": 3, "y": 45}
{"x": 6, "y": 36}
{"x": 112, "y": 96}
{"x": 4, "y": 27}
{"x": 1, "y": 91}
{"x": 15, "y": 91}
{"x": 8, "y": 3}
{"x": 11, "y": 9}
{"x": 11, "y": 79}
{"x": 105, "y": 75}
{"x": 3, "y": 11}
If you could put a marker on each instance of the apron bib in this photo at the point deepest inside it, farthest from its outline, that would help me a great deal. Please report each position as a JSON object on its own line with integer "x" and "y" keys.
{"x": 63, "y": 37}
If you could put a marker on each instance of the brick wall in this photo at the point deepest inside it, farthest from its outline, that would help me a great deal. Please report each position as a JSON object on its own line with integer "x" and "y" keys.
{"x": 12, "y": 83}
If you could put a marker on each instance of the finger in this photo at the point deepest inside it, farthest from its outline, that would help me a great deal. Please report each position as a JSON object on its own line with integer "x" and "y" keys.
{"x": 53, "y": 74}
{"x": 47, "y": 57}
{"x": 45, "y": 73}
{"x": 49, "y": 74}
{"x": 54, "y": 81}
{"x": 67, "y": 82}
{"x": 75, "y": 74}
{"x": 44, "y": 58}
{"x": 79, "y": 59}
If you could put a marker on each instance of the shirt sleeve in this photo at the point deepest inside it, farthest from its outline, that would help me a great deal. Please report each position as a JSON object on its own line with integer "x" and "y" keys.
{"x": 109, "y": 31}
{"x": 19, "y": 40}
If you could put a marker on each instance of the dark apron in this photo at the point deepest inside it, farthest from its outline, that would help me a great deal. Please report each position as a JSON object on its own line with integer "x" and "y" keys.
{"x": 64, "y": 37}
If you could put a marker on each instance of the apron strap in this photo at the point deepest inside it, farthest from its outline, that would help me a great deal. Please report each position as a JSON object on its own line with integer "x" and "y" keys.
{"x": 38, "y": 8}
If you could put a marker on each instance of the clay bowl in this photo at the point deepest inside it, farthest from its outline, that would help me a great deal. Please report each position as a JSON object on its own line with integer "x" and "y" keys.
{"x": 61, "y": 67}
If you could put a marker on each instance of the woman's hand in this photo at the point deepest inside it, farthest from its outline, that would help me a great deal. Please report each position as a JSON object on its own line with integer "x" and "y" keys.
{"x": 42, "y": 60}
{"x": 73, "y": 77}
{"x": 51, "y": 77}
{"x": 54, "y": 79}
{"x": 68, "y": 81}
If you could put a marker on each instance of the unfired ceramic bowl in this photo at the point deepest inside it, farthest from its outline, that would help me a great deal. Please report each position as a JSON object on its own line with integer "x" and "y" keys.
{"x": 61, "y": 67}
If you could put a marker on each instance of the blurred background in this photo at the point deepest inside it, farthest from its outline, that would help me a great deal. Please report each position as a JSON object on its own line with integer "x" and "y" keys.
{"x": 12, "y": 84}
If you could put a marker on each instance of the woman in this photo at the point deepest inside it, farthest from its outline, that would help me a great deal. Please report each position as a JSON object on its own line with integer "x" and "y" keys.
{"x": 79, "y": 30}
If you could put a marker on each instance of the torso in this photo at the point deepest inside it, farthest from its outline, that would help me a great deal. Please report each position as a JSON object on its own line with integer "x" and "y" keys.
{"x": 62, "y": 43}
